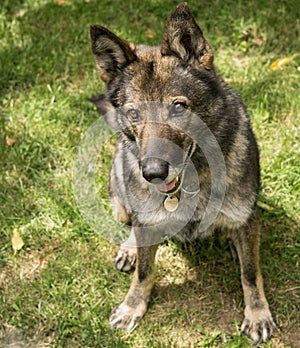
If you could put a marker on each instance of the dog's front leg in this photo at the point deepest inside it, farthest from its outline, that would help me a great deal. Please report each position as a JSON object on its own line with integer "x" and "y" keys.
{"x": 126, "y": 255}
{"x": 134, "y": 306}
{"x": 258, "y": 322}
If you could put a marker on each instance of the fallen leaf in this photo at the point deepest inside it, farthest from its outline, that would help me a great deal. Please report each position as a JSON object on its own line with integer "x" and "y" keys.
{"x": 258, "y": 42}
{"x": 20, "y": 98}
{"x": 150, "y": 34}
{"x": 16, "y": 240}
{"x": 280, "y": 63}
{"x": 234, "y": 81}
{"x": 9, "y": 141}
{"x": 40, "y": 263}
{"x": 62, "y": 3}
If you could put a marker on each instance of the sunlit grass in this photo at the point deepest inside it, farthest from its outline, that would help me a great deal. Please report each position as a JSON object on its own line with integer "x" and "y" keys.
{"x": 59, "y": 289}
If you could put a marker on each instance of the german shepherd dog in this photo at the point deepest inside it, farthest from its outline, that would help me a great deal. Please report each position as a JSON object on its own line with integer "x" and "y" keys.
{"x": 186, "y": 161}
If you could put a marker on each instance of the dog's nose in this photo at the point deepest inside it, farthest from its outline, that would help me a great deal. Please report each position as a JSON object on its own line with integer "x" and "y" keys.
{"x": 155, "y": 170}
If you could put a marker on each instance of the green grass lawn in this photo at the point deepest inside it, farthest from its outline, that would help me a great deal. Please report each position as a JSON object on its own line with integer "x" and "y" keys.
{"x": 59, "y": 289}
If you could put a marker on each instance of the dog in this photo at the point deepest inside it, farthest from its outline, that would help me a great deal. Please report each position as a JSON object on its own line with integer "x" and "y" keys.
{"x": 186, "y": 160}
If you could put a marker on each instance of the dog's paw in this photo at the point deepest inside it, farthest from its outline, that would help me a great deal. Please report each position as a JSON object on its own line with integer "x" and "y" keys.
{"x": 258, "y": 325}
{"x": 125, "y": 259}
{"x": 126, "y": 317}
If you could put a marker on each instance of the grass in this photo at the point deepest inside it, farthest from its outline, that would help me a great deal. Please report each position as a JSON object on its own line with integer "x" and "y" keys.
{"x": 59, "y": 289}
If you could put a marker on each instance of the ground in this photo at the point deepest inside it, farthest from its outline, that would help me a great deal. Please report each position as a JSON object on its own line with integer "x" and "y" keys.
{"x": 58, "y": 283}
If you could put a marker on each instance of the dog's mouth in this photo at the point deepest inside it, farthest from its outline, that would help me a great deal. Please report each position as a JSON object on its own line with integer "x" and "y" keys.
{"x": 175, "y": 184}
{"x": 170, "y": 187}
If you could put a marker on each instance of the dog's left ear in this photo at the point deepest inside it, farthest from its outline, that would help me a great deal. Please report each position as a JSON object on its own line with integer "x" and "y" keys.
{"x": 102, "y": 104}
{"x": 183, "y": 38}
{"x": 106, "y": 109}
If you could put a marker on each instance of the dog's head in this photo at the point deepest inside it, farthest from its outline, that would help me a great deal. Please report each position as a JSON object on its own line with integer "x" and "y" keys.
{"x": 151, "y": 93}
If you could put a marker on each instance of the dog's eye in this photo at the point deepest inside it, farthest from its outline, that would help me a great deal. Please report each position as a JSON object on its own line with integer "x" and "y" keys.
{"x": 133, "y": 115}
{"x": 178, "y": 109}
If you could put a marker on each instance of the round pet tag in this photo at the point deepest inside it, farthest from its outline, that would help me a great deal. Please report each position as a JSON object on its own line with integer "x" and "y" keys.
{"x": 171, "y": 203}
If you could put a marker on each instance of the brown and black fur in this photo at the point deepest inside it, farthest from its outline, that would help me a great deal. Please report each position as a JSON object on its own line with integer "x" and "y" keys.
{"x": 142, "y": 85}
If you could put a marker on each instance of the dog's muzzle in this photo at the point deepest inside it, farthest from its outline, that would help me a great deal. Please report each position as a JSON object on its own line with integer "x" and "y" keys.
{"x": 156, "y": 171}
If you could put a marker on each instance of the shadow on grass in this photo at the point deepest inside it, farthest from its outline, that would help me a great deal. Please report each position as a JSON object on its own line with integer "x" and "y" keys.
{"x": 53, "y": 40}
{"x": 52, "y": 46}
{"x": 52, "y": 43}
{"x": 212, "y": 295}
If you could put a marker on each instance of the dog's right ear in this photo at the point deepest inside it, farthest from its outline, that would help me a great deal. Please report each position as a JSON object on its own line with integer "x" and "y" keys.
{"x": 112, "y": 53}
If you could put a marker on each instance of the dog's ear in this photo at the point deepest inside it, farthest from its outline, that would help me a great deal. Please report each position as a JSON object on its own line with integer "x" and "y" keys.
{"x": 102, "y": 104}
{"x": 183, "y": 38}
{"x": 111, "y": 52}
{"x": 106, "y": 109}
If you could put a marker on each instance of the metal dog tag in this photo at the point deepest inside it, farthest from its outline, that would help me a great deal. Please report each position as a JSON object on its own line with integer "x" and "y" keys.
{"x": 171, "y": 203}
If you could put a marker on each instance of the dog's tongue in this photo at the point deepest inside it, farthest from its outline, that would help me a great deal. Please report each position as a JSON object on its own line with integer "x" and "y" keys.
{"x": 167, "y": 187}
